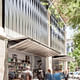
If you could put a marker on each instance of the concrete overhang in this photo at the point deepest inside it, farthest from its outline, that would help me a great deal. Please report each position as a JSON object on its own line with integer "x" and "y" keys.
{"x": 2, "y": 33}
{"x": 63, "y": 58}
{"x": 33, "y": 46}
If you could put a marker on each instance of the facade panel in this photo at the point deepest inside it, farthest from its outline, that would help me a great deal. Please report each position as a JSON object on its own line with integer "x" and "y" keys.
{"x": 57, "y": 36}
{"x": 26, "y": 18}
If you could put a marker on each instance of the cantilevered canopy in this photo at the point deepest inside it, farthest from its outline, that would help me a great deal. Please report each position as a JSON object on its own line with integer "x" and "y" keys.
{"x": 35, "y": 47}
{"x": 63, "y": 58}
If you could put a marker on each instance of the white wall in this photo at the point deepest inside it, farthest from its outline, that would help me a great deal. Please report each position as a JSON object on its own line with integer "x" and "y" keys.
{"x": 3, "y": 60}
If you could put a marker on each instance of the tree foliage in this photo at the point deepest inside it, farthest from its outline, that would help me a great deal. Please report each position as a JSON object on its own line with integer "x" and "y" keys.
{"x": 72, "y": 65}
{"x": 77, "y": 40}
{"x": 76, "y": 52}
{"x": 71, "y": 11}
{"x": 55, "y": 13}
{"x": 77, "y": 47}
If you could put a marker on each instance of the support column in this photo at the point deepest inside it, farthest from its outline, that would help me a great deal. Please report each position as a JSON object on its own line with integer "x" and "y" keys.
{"x": 3, "y": 46}
{"x": 3, "y": 56}
{"x": 49, "y": 59}
{"x": 3, "y": 60}
{"x": 33, "y": 62}
{"x": 65, "y": 63}
{"x": 65, "y": 66}
{"x": 49, "y": 63}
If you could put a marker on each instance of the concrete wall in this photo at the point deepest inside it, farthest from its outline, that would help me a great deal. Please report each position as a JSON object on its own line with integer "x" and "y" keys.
{"x": 3, "y": 60}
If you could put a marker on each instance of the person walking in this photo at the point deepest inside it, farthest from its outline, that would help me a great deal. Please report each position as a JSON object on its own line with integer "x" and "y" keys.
{"x": 40, "y": 74}
{"x": 27, "y": 74}
{"x": 62, "y": 75}
{"x": 66, "y": 75}
{"x": 57, "y": 75}
{"x": 48, "y": 75}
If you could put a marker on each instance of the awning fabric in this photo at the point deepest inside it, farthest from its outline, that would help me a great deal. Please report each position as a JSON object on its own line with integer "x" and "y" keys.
{"x": 63, "y": 58}
{"x": 35, "y": 47}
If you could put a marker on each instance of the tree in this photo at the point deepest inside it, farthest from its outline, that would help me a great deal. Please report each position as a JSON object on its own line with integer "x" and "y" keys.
{"x": 76, "y": 55}
{"x": 70, "y": 12}
{"x": 70, "y": 9}
{"x": 77, "y": 40}
{"x": 72, "y": 65}
{"x": 76, "y": 52}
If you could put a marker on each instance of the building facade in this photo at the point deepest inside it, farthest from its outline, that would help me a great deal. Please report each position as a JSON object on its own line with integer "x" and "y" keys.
{"x": 26, "y": 18}
{"x": 57, "y": 36}
{"x": 29, "y": 19}
{"x": 70, "y": 47}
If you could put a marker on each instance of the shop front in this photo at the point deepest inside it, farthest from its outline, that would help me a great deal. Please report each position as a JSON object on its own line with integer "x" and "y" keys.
{"x": 27, "y": 52}
{"x": 17, "y": 62}
{"x": 60, "y": 60}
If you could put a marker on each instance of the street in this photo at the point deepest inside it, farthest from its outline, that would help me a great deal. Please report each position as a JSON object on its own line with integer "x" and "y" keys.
{"x": 72, "y": 79}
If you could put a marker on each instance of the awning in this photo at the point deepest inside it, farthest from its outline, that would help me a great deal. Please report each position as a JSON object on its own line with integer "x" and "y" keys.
{"x": 63, "y": 58}
{"x": 35, "y": 47}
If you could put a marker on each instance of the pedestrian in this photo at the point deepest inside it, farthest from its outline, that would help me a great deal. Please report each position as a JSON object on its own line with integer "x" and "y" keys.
{"x": 66, "y": 75}
{"x": 62, "y": 75}
{"x": 27, "y": 74}
{"x": 57, "y": 75}
{"x": 48, "y": 75}
{"x": 40, "y": 74}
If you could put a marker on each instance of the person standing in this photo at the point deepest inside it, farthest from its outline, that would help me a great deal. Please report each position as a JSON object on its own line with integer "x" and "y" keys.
{"x": 48, "y": 75}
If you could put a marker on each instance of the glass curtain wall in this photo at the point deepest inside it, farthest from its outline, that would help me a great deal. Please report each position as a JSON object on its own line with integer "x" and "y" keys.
{"x": 26, "y": 18}
{"x": 57, "y": 36}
